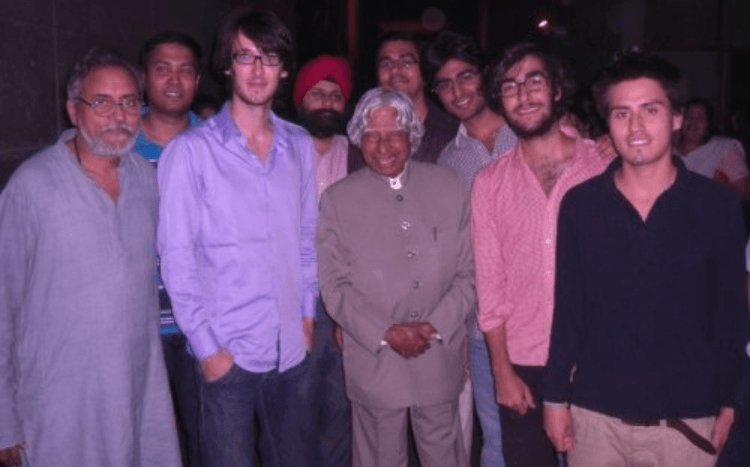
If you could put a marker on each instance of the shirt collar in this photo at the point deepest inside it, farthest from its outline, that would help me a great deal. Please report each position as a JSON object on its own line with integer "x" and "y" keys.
{"x": 229, "y": 131}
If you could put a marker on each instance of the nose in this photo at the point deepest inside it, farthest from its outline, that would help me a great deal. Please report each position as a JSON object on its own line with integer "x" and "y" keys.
{"x": 636, "y": 121}
{"x": 118, "y": 112}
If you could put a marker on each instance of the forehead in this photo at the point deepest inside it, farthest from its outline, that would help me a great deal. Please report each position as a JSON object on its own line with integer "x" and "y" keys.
{"x": 242, "y": 42}
{"x": 384, "y": 116}
{"x": 696, "y": 110}
{"x": 454, "y": 66}
{"x": 636, "y": 92}
{"x": 171, "y": 52}
{"x": 325, "y": 86}
{"x": 397, "y": 48}
{"x": 528, "y": 64}
{"x": 109, "y": 80}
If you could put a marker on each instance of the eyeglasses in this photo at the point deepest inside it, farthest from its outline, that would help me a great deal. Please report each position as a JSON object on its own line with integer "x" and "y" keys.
{"x": 407, "y": 61}
{"x": 105, "y": 106}
{"x": 248, "y": 58}
{"x": 319, "y": 96}
{"x": 534, "y": 81}
{"x": 442, "y": 85}
{"x": 393, "y": 137}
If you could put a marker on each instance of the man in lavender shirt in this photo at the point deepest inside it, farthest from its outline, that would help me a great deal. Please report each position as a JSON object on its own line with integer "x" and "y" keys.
{"x": 236, "y": 238}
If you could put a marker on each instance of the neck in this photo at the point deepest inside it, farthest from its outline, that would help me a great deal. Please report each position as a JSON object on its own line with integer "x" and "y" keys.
{"x": 646, "y": 181}
{"x": 252, "y": 119}
{"x": 551, "y": 147}
{"x": 420, "y": 105}
{"x": 484, "y": 123}
{"x": 161, "y": 127}
{"x": 688, "y": 145}
{"x": 322, "y": 145}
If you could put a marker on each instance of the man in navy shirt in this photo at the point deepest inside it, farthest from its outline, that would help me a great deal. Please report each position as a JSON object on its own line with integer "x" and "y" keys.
{"x": 647, "y": 333}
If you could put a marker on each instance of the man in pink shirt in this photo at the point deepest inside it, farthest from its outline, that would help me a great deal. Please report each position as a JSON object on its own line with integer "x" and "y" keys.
{"x": 515, "y": 201}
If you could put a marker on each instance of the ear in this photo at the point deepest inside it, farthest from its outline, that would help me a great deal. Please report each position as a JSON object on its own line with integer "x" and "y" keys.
{"x": 284, "y": 74}
{"x": 70, "y": 106}
{"x": 558, "y": 94}
{"x": 676, "y": 121}
{"x": 198, "y": 79}
{"x": 227, "y": 72}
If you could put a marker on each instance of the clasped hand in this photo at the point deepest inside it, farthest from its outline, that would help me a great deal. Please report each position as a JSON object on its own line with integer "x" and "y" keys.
{"x": 410, "y": 340}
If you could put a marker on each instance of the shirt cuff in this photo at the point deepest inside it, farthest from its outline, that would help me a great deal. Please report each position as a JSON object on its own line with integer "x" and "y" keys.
{"x": 204, "y": 342}
{"x": 556, "y": 405}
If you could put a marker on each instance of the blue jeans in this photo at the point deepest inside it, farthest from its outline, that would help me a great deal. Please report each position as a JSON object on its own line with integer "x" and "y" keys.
{"x": 329, "y": 412}
{"x": 230, "y": 406}
{"x": 487, "y": 407}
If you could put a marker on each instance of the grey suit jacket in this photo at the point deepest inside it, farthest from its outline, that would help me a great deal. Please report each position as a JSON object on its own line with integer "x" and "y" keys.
{"x": 388, "y": 256}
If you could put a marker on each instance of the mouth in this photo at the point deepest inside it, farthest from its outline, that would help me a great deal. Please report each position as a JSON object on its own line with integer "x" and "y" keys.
{"x": 638, "y": 141}
{"x": 461, "y": 102}
{"x": 528, "y": 109}
{"x": 173, "y": 94}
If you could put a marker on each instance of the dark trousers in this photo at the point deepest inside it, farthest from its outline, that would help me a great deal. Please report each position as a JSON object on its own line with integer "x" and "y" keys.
{"x": 183, "y": 383}
{"x": 230, "y": 406}
{"x": 525, "y": 444}
{"x": 329, "y": 413}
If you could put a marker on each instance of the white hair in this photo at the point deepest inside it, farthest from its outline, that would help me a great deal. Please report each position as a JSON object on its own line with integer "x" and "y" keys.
{"x": 407, "y": 119}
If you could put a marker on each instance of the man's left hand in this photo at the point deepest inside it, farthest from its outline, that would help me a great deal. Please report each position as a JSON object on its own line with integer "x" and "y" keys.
{"x": 720, "y": 431}
{"x": 308, "y": 326}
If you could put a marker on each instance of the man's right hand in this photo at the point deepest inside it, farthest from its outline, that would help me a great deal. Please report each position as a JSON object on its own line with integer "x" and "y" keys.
{"x": 11, "y": 457}
{"x": 558, "y": 424}
{"x": 407, "y": 339}
{"x": 217, "y": 365}
{"x": 513, "y": 393}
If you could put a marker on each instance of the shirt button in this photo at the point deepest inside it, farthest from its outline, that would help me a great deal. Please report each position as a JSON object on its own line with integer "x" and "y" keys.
{"x": 548, "y": 241}
{"x": 399, "y": 198}
{"x": 405, "y": 225}
{"x": 413, "y": 314}
{"x": 415, "y": 284}
{"x": 411, "y": 254}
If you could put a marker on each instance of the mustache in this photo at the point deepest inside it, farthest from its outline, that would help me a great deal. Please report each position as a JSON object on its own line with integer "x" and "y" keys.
{"x": 118, "y": 126}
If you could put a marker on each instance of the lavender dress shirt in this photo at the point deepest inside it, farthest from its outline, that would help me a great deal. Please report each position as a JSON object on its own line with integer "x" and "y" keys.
{"x": 237, "y": 241}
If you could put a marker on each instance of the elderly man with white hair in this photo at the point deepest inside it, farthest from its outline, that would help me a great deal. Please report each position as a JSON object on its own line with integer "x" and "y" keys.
{"x": 396, "y": 273}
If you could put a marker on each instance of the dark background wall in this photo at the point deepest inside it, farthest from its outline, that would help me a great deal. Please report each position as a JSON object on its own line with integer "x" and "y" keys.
{"x": 40, "y": 39}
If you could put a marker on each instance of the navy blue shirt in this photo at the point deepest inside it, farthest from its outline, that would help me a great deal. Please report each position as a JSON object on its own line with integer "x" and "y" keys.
{"x": 650, "y": 313}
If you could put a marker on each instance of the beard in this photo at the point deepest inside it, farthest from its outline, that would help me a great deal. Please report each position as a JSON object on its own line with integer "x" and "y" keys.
{"x": 542, "y": 127}
{"x": 322, "y": 123}
{"x": 101, "y": 148}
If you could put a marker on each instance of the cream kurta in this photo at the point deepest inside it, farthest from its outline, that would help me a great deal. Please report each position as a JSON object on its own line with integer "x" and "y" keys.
{"x": 82, "y": 376}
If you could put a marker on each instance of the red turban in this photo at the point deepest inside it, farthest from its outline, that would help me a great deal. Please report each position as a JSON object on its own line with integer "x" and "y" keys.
{"x": 318, "y": 69}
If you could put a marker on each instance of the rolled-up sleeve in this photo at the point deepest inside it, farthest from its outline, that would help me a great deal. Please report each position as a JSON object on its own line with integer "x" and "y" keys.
{"x": 491, "y": 274}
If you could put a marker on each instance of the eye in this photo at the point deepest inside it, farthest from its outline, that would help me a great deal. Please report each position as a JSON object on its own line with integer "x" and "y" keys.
{"x": 131, "y": 102}
{"x": 535, "y": 80}
{"x": 442, "y": 85}
{"x": 337, "y": 97}
{"x": 99, "y": 101}
{"x": 161, "y": 69}
{"x": 619, "y": 114}
{"x": 652, "y": 110}
{"x": 386, "y": 64}
{"x": 408, "y": 60}
{"x": 508, "y": 88}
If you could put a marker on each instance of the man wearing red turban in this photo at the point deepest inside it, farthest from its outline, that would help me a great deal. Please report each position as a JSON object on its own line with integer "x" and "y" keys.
{"x": 321, "y": 92}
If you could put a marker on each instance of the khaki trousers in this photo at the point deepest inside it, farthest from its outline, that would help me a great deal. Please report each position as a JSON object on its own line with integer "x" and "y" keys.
{"x": 379, "y": 436}
{"x": 603, "y": 441}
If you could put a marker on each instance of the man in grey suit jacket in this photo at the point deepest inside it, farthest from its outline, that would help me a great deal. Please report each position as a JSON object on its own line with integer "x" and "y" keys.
{"x": 396, "y": 273}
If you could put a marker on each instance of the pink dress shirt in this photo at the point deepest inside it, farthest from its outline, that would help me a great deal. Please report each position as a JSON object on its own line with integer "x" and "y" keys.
{"x": 514, "y": 234}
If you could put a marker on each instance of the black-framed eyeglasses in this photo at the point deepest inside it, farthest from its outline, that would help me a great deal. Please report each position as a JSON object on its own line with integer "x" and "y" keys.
{"x": 534, "y": 81}
{"x": 443, "y": 85}
{"x": 105, "y": 106}
{"x": 407, "y": 61}
{"x": 249, "y": 58}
